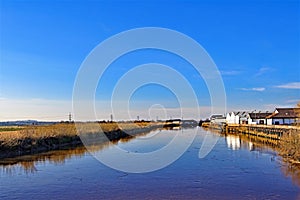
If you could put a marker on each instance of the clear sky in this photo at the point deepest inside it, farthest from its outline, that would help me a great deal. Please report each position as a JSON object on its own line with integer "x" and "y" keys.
{"x": 255, "y": 45}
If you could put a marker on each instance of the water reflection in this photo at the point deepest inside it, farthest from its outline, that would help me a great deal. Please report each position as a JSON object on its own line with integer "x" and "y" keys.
{"x": 25, "y": 166}
{"x": 174, "y": 128}
{"x": 236, "y": 161}
{"x": 233, "y": 142}
{"x": 252, "y": 143}
{"x": 263, "y": 145}
{"x": 28, "y": 163}
{"x": 292, "y": 171}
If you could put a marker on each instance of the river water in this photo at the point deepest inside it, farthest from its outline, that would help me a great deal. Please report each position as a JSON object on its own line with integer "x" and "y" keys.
{"x": 236, "y": 168}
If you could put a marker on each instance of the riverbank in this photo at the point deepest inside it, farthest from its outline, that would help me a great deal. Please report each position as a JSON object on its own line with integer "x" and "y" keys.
{"x": 288, "y": 137}
{"x": 289, "y": 148}
{"x": 29, "y": 140}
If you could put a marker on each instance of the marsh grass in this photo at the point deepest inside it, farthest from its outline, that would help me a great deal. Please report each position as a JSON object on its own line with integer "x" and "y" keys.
{"x": 289, "y": 147}
{"x": 65, "y": 129}
{"x": 35, "y": 139}
{"x": 10, "y": 128}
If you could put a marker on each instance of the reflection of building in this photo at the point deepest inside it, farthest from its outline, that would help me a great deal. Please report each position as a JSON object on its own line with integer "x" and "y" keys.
{"x": 233, "y": 142}
{"x": 189, "y": 123}
{"x": 172, "y": 123}
{"x": 250, "y": 146}
{"x": 175, "y": 128}
{"x": 180, "y": 123}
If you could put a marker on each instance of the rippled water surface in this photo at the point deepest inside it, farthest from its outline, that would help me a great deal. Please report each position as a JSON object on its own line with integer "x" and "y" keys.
{"x": 236, "y": 168}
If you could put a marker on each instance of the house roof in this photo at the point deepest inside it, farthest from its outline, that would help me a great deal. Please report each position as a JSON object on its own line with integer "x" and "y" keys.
{"x": 259, "y": 115}
{"x": 173, "y": 120}
{"x": 281, "y": 113}
{"x": 241, "y": 113}
{"x": 216, "y": 116}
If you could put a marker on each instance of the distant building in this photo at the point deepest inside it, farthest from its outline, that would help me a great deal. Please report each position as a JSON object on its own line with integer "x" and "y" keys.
{"x": 217, "y": 119}
{"x": 189, "y": 123}
{"x": 284, "y": 116}
{"x": 172, "y": 122}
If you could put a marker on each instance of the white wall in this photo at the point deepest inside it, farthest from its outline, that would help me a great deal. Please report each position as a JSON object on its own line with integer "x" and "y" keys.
{"x": 231, "y": 118}
{"x": 219, "y": 121}
{"x": 228, "y": 118}
{"x": 269, "y": 121}
{"x": 236, "y": 119}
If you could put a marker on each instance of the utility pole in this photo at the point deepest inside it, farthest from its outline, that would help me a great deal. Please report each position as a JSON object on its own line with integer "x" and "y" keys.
{"x": 70, "y": 117}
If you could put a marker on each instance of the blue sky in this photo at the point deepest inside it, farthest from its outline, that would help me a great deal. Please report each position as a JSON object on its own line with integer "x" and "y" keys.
{"x": 255, "y": 45}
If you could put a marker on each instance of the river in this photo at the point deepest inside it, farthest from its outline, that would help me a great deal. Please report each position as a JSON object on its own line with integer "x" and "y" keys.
{"x": 236, "y": 168}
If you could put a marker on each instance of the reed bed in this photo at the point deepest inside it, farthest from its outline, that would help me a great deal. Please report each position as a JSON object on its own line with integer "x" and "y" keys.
{"x": 289, "y": 147}
{"x": 36, "y": 139}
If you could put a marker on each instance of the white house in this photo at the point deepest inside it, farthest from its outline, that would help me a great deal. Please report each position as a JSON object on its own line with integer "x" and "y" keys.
{"x": 240, "y": 117}
{"x": 231, "y": 118}
{"x": 284, "y": 116}
{"x": 258, "y": 117}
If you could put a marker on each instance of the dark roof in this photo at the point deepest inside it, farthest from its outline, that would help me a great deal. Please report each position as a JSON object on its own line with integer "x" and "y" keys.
{"x": 173, "y": 120}
{"x": 241, "y": 113}
{"x": 281, "y": 113}
{"x": 259, "y": 115}
{"x": 216, "y": 116}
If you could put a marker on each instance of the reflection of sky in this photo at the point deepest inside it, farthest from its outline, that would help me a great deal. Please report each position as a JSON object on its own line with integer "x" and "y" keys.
{"x": 147, "y": 144}
{"x": 216, "y": 176}
{"x": 152, "y": 142}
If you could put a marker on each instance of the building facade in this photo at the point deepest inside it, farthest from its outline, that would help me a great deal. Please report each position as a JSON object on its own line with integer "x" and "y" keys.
{"x": 284, "y": 116}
